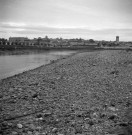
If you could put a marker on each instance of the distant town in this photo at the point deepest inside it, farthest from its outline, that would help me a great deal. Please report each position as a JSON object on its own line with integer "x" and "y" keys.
{"x": 46, "y": 42}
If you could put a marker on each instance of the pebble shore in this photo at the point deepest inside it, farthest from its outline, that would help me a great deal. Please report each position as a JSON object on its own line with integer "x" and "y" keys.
{"x": 89, "y": 93}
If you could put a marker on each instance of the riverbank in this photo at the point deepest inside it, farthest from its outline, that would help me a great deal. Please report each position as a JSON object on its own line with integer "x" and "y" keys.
{"x": 32, "y": 50}
{"x": 87, "y": 93}
{"x": 15, "y": 62}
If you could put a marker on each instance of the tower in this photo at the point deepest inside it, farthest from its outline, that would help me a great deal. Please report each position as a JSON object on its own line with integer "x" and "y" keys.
{"x": 117, "y": 38}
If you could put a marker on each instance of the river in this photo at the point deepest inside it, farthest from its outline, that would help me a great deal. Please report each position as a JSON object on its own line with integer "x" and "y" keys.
{"x": 15, "y": 64}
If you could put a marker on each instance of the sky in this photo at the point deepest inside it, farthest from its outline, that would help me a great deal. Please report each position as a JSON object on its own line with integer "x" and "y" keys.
{"x": 96, "y": 19}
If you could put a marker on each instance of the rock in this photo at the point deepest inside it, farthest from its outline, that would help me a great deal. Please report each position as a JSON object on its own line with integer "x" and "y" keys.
{"x": 73, "y": 123}
{"x": 102, "y": 115}
{"x": 86, "y": 126}
{"x": 112, "y": 109}
{"x": 79, "y": 113}
{"x": 10, "y": 124}
{"x": 95, "y": 115}
{"x": 38, "y": 128}
{"x": 1, "y": 96}
{"x": 54, "y": 130}
{"x": 19, "y": 125}
{"x": 71, "y": 131}
{"x": 32, "y": 127}
{"x": 14, "y": 133}
{"x": 36, "y": 133}
{"x": 44, "y": 133}
{"x": 128, "y": 104}
{"x": 123, "y": 124}
{"x": 78, "y": 129}
{"x": 115, "y": 72}
{"x": 35, "y": 95}
{"x": 4, "y": 124}
{"x": 90, "y": 122}
{"x": 128, "y": 114}
{"x": 93, "y": 64}
{"x": 39, "y": 115}
{"x": 46, "y": 114}
{"x": 37, "y": 119}
{"x": 112, "y": 117}
{"x": 29, "y": 133}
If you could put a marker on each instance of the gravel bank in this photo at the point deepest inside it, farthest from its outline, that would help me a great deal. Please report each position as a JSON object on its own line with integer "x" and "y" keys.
{"x": 89, "y": 93}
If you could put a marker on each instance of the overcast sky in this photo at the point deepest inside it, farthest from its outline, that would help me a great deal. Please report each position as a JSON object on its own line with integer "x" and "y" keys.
{"x": 97, "y": 19}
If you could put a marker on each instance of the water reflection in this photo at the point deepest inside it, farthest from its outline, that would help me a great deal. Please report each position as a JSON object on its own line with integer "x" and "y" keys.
{"x": 14, "y": 64}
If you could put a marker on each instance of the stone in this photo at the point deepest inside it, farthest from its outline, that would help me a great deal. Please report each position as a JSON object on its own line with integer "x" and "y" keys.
{"x": 35, "y": 95}
{"x": 29, "y": 133}
{"x": 10, "y": 124}
{"x": 39, "y": 115}
{"x": 36, "y": 133}
{"x": 38, "y": 128}
{"x": 14, "y": 133}
{"x": 32, "y": 127}
{"x": 19, "y": 125}
{"x": 78, "y": 129}
{"x": 90, "y": 122}
{"x": 112, "y": 117}
{"x": 54, "y": 130}
{"x": 95, "y": 115}
{"x": 112, "y": 109}
{"x": 128, "y": 114}
{"x": 86, "y": 126}
{"x": 37, "y": 119}
{"x": 1, "y": 96}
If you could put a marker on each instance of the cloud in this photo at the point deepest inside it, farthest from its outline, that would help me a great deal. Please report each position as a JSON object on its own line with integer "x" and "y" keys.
{"x": 35, "y": 30}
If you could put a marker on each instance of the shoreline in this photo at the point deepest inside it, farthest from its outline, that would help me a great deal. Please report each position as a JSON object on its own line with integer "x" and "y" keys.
{"x": 88, "y": 92}
{"x": 51, "y": 61}
{"x": 27, "y": 51}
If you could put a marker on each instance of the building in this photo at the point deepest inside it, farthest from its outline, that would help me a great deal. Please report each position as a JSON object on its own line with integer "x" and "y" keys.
{"x": 117, "y": 38}
{"x": 18, "y": 39}
{"x": 41, "y": 42}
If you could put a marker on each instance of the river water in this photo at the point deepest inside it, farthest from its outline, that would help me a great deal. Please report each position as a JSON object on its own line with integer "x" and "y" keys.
{"x": 14, "y": 64}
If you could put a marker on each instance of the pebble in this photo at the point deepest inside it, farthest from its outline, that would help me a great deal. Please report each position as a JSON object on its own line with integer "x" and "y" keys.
{"x": 46, "y": 114}
{"x": 38, "y": 128}
{"x": 112, "y": 117}
{"x": 35, "y": 95}
{"x": 91, "y": 123}
{"x": 19, "y": 125}
{"x": 14, "y": 133}
{"x": 39, "y": 119}
{"x": 128, "y": 114}
{"x": 112, "y": 109}
{"x": 95, "y": 115}
{"x": 86, "y": 126}
{"x": 29, "y": 133}
{"x": 37, "y": 133}
{"x": 54, "y": 130}
{"x": 39, "y": 115}
{"x": 1, "y": 96}
{"x": 10, "y": 124}
{"x": 32, "y": 127}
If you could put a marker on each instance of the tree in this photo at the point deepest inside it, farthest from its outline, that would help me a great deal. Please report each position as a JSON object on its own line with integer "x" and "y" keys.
{"x": 91, "y": 41}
